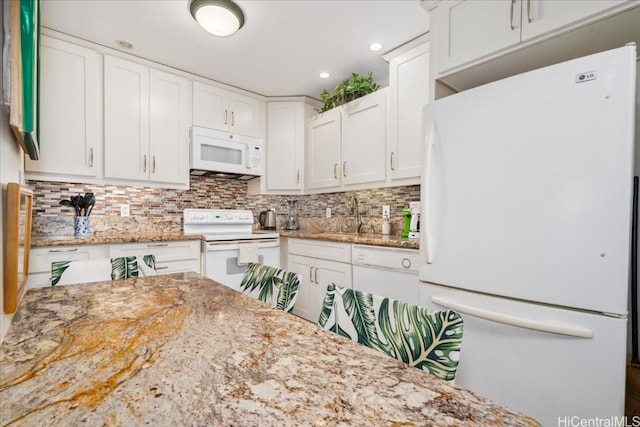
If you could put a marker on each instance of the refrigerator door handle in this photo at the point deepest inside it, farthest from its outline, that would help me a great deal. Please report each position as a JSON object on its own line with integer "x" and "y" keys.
{"x": 520, "y": 322}
{"x": 426, "y": 216}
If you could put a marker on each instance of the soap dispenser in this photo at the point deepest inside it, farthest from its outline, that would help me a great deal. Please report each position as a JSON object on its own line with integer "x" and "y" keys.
{"x": 386, "y": 226}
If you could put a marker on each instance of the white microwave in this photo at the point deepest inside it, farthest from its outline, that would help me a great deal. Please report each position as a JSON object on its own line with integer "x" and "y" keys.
{"x": 223, "y": 153}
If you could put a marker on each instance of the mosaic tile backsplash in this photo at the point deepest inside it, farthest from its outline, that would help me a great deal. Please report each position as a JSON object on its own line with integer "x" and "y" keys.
{"x": 160, "y": 210}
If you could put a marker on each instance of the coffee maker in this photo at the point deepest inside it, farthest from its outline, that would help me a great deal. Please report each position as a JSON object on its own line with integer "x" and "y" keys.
{"x": 414, "y": 224}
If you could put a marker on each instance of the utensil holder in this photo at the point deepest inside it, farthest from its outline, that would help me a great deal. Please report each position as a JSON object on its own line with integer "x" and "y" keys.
{"x": 81, "y": 225}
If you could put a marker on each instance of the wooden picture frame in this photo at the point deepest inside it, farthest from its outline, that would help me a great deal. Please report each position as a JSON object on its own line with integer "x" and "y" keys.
{"x": 17, "y": 244}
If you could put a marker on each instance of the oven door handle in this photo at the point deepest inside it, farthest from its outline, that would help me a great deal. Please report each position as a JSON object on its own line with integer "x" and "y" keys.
{"x": 235, "y": 244}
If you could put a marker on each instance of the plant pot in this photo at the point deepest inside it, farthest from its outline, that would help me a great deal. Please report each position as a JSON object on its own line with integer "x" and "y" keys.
{"x": 81, "y": 225}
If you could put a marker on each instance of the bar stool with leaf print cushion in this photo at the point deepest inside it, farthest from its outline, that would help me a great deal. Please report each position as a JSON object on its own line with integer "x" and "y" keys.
{"x": 429, "y": 340}
{"x": 97, "y": 270}
{"x": 273, "y": 286}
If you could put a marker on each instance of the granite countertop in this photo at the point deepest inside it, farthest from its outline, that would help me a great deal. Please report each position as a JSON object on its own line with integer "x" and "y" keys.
{"x": 182, "y": 349}
{"x": 393, "y": 241}
{"x": 110, "y": 238}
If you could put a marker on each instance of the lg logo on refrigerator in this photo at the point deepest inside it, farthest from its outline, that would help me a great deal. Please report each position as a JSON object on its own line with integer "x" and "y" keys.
{"x": 585, "y": 77}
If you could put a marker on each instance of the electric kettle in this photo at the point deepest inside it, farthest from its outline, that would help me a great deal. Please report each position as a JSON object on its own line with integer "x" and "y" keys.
{"x": 267, "y": 219}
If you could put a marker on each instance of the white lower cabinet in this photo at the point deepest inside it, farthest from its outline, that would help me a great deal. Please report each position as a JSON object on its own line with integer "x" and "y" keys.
{"x": 40, "y": 260}
{"x": 171, "y": 257}
{"x": 318, "y": 263}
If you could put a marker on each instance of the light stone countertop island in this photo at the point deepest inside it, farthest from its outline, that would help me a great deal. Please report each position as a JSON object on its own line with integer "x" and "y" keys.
{"x": 181, "y": 349}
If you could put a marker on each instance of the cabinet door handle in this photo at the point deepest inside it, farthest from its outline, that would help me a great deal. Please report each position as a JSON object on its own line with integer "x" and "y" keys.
{"x": 335, "y": 170}
{"x": 91, "y": 157}
{"x": 226, "y": 114}
{"x": 344, "y": 169}
{"x": 153, "y": 161}
{"x": 391, "y": 161}
{"x": 144, "y": 168}
{"x": 529, "y": 11}
{"x": 311, "y": 274}
{"x": 233, "y": 118}
{"x": 315, "y": 279}
{"x": 513, "y": 2}
{"x": 63, "y": 250}
{"x": 298, "y": 177}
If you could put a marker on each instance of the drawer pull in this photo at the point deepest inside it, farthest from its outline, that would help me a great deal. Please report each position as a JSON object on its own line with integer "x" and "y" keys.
{"x": 157, "y": 245}
{"x": 162, "y": 268}
{"x": 63, "y": 250}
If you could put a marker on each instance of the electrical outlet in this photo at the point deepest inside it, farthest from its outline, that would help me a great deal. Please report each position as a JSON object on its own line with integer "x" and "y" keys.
{"x": 124, "y": 210}
{"x": 328, "y": 213}
{"x": 386, "y": 211}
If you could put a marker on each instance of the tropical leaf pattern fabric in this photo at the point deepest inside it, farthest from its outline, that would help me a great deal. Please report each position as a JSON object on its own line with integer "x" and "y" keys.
{"x": 124, "y": 267}
{"x": 150, "y": 260}
{"x": 82, "y": 271}
{"x": 57, "y": 269}
{"x": 429, "y": 340}
{"x": 271, "y": 285}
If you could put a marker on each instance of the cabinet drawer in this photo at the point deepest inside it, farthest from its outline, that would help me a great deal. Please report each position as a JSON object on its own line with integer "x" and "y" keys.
{"x": 395, "y": 259}
{"x": 40, "y": 259}
{"x": 163, "y": 251}
{"x": 333, "y": 251}
{"x": 179, "y": 266}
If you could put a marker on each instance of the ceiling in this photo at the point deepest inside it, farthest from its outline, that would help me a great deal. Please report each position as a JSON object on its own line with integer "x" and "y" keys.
{"x": 280, "y": 51}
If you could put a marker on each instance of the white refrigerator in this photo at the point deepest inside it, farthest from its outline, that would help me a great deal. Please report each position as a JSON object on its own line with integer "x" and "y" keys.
{"x": 525, "y": 230}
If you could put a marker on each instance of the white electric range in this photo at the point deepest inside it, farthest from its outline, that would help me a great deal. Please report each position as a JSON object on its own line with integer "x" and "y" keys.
{"x": 229, "y": 243}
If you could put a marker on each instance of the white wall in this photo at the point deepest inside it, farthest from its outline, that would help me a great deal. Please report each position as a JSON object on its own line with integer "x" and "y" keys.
{"x": 11, "y": 168}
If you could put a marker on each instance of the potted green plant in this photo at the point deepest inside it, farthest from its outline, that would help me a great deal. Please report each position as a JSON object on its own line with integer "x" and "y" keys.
{"x": 348, "y": 90}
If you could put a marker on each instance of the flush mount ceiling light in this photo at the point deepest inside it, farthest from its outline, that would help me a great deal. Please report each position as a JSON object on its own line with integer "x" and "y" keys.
{"x": 218, "y": 17}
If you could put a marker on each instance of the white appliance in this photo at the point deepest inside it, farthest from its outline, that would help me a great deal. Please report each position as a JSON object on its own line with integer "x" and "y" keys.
{"x": 525, "y": 230}
{"x": 229, "y": 243}
{"x": 389, "y": 272}
{"x": 223, "y": 153}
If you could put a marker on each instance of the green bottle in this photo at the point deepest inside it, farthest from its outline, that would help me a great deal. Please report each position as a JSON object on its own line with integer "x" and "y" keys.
{"x": 406, "y": 213}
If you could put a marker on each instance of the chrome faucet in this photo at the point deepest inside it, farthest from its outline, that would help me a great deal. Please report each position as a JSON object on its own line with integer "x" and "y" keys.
{"x": 356, "y": 210}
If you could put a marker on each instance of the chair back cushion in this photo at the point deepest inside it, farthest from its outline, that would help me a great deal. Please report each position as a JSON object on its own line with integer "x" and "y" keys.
{"x": 96, "y": 270}
{"x": 273, "y": 286}
{"x": 429, "y": 340}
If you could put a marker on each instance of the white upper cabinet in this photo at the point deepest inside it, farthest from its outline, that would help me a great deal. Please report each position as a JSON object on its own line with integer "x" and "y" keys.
{"x": 364, "y": 134}
{"x": 285, "y": 145}
{"x": 323, "y": 150}
{"x": 126, "y": 119}
{"x": 71, "y": 107}
{"x": 347, "y": 145}
{"x": 543, "y": 16}
{"x": 408, "y": 93}
{"x": 468, "y": 30}
{"x": 217, "y": 108}
{"x": 146, "y": 124}
{"x": 169, "y": 119}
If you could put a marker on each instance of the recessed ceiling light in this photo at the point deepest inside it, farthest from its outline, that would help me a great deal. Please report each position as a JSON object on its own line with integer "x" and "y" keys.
{"x": 374, "y": 47}
{"x": 325, "y": 75}
{"x": 125, "y": 44}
